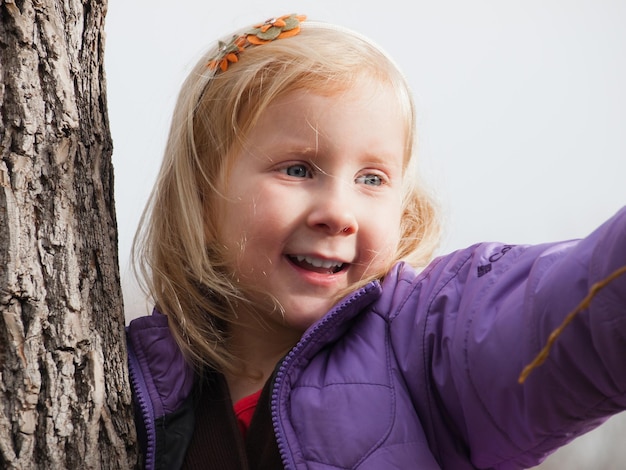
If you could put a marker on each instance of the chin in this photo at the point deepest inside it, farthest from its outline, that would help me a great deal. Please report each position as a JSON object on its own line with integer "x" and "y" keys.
{"x": 301, "y": 321}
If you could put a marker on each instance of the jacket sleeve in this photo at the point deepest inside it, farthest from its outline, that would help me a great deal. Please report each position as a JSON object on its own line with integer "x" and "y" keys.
{"x": 484, "y": 314}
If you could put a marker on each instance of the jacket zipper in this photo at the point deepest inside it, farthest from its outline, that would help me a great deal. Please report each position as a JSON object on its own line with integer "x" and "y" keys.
{"x": 289, "y": 360}
{"x": 147, "y": 415}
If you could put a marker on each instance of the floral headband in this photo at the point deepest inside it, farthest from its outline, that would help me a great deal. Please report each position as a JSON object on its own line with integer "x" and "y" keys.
{"x": 274, "y": 28}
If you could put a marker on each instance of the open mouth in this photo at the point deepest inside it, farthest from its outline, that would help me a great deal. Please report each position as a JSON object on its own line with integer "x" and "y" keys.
{"x": 318, "y": 265}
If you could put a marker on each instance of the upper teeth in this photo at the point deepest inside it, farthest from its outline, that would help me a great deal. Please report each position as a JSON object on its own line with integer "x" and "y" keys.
{"x": 319, "y": 263}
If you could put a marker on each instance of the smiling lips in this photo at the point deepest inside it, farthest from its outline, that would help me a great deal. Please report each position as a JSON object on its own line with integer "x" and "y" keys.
{"x": 318, "y": 265}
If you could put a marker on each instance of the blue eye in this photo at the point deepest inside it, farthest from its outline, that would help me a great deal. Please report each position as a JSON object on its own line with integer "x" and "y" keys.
{"x": 371, "y": 180}
{"x": 297, "y": 171}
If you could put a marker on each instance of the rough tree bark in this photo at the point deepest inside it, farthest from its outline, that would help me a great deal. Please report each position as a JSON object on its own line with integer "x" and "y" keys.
{"x": 64, "y": 393}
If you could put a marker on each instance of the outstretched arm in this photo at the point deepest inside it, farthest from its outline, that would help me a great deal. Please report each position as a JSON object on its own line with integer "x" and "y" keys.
{"x": 489, "y": 311}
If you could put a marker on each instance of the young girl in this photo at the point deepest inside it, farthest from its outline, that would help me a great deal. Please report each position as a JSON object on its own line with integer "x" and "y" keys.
{"x": 298, "y": 321}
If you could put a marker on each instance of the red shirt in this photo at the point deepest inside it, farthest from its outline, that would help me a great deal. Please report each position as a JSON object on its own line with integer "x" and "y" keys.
{"x": 244, "y": 409}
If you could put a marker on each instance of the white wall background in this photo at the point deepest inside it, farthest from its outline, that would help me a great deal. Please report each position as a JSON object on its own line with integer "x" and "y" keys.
{"x": 522, "y": 105}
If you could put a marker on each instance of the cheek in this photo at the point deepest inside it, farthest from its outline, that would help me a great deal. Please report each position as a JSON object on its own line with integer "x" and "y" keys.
{"x": 383, "y": 243}
{"x": 389, "y": 241}
{"x": 388, "y": 221}
{"x": 237, "y": 214}
{"x": 232, "y": 225}
{"x": 250, "y": 228}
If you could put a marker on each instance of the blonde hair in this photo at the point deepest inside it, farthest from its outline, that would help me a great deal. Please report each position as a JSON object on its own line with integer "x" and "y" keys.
{"x": 176, "y": 247}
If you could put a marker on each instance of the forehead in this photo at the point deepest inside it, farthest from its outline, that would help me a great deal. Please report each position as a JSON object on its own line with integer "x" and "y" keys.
{"x": 362, "y": 124}
{"x": 364, "y": 100}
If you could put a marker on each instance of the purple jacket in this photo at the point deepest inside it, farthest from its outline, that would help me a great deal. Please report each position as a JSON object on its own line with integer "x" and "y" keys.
{"x": 422, "y": 371}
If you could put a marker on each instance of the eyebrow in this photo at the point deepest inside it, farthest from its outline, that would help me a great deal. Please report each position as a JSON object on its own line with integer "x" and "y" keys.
{"x": 299, "y": 149}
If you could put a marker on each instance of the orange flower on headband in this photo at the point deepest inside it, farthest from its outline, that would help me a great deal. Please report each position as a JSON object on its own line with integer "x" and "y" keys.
{"x": 228, "y": 52}
{"x": 275, "y": 28}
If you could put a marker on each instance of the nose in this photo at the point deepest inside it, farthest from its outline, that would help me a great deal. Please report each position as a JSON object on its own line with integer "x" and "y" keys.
{"x": 333, "y": 211}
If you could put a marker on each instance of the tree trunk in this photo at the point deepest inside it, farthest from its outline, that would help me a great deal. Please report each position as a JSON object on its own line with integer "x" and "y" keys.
{"x": 64, "y": 395}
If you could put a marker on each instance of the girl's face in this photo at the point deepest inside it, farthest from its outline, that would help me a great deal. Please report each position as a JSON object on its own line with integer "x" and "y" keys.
{"x": 313, "y": 201}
